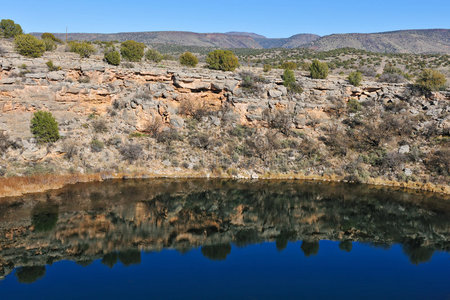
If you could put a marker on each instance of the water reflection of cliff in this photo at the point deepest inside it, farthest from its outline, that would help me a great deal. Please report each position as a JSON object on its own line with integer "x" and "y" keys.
{"x": 114, "y": 221}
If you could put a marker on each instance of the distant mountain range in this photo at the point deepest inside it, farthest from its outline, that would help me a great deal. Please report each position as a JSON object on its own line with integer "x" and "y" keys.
{"x": 402, "y": 41}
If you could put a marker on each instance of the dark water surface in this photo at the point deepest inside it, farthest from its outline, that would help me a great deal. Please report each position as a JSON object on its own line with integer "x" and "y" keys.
{"x": 202, "y": 239}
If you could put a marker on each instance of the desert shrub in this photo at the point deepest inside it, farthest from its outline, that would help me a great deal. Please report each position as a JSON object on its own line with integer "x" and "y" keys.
{"x": 9, "y": 29}
{"x": 97, "y": 146}
{"x": 318, "y": 70}
{"x": 353, "y": 106}
{"x": 99, "y": 126}
{"x": 391, "y": 78}
{"x": 84, "y": 49}
{"x": 52, "y": 67}
{"x": 355, "y": 78}
{"x": 280, "y": 120}
{"x": 44, "y": 127}
{"x": 132, "y": 50}
{"x": 5, "y": 142}
{"x": 438, "y": 162}
{"x": 250, "y": 81}
{"x": 289, "y": 81}
{"x": 153, "y": 55}
{"x": 200, "y": 140}
{"x": 224, "y": 60}
{"x": 188, "y": 59}
{"x": 112, "y": 57}
{"x": 50, "y": 45}
{"x": 154, "y": 127}
{"x": 431, "y": 80}
{"x": 289, "y": 65}
{"x": 70, "y": 149}
{"x": 267, "y": 68}
{"x": 168, "y": 136}
{"x": 50, "y": 36}
{"x": 28, "y": 45}
{"x": 369, "y": 72}
{"x": 131, "y": 152}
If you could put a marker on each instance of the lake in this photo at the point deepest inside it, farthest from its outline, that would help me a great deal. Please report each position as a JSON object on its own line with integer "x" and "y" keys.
{"x": 221, "y": 239}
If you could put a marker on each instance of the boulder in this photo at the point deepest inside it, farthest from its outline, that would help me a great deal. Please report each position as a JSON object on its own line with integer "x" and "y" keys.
{"x": 275, "y": 93}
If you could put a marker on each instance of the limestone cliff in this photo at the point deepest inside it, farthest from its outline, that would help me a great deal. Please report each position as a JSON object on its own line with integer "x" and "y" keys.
{"x": 167, "y": 120}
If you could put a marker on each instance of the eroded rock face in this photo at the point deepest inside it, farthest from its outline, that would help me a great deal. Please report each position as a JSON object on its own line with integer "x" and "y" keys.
{"x": 91, "y": 221}
{"x": 212, "y": 107}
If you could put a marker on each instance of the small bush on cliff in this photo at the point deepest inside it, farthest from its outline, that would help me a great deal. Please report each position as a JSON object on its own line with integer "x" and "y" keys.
{"x": 52, "y": 67}
{"x": 84, "y": 49}
{"x": 290, "y": 82}
{"x": 355, "y": 78}
{"x": 319, "y": 70}
{"x": 224, "y": 60}
{"x": 131, "y": 152}
{"x": 112, "y": 57}
{"x": 5, "y": 142}
{"x": 28, "y": 45}
{"x": 9, "y": 29}
{"x": 188, "y": 59}
{"x": 431, "y": 80}
{"x": 153, "y": 55}
{"x": 44, "y": 127}
{"x": 97, "y": 146}
{"x": 132, "y": 50}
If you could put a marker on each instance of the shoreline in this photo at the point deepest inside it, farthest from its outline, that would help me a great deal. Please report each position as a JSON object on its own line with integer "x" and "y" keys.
{"x": 20, "y": 186}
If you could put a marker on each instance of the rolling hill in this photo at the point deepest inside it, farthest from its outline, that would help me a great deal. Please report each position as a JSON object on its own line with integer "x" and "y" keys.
{"x": 402, "y": 41}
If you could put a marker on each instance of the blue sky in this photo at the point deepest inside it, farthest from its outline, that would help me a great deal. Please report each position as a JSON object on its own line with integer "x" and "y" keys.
{"x": 281, "y": 18}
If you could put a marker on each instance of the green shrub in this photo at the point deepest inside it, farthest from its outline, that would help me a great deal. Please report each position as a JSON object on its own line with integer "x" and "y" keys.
{"x": 52, "y": 67}
{"x": 112, "y": 57}
{"x": 50, "y": 45}
{"x": 97, "y": 146}
{"x": 289, "y": 65}
{"x": 319, "y": 70}
{"x": 431, "y": 80}
{"x": 84, "y": 49}
{"x": 267, "y": 68}
{"x": 355, "y": 78}
{"x": 353, "y": 106}
{"x": 50, "y": 36}
{"x": 290, "y": 82}
{"x": 28, "y": 45}
{"x": 10, "y": 29}
{"x": 132, "y": 50}
{"x": 188, "y": 59}
{"x": 224, "y": 60}
{"x": 153, "y": 55}
{"x": 44, "y": 127}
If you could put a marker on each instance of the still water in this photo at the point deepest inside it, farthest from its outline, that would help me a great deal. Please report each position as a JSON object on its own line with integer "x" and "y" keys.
{"x": 225, "y": 239}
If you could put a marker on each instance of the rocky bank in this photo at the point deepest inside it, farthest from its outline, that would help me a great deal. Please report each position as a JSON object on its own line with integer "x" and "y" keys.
{"x": 166, "y": 120}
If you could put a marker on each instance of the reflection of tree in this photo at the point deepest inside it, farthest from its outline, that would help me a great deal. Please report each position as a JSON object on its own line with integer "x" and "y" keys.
{"x": 110, "y": 259}
{"x": 30, "y": 274}
{"x": 416, "y": 253}
{"x": 216, "y": 252}
{"x": 44, "y": 216}
{"x": 283, "y": 239}
{"x": 130, "y": 257}
{"x": 346, "y": 246}
{"x": 310, "y": 248}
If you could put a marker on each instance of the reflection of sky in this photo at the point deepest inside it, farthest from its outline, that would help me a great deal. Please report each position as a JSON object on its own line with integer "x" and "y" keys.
{"x": 255, "y": 271}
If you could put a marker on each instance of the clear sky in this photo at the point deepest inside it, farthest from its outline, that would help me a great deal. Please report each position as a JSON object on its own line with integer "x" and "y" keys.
{"x": 281, "y": 18}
